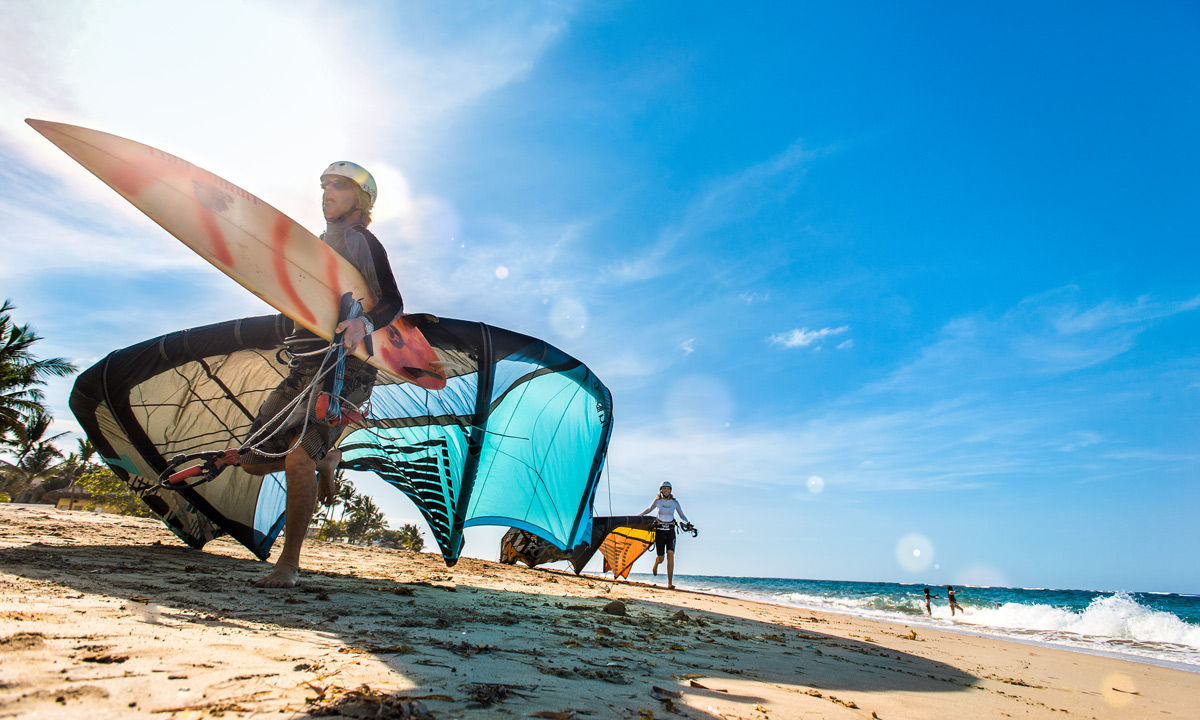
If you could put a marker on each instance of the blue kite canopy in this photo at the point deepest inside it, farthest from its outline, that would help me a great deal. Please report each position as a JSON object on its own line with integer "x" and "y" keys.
{"x": 517, "y": 437}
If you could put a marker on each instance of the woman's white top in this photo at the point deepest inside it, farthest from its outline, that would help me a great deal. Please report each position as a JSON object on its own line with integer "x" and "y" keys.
{"x": 666, "y": 510}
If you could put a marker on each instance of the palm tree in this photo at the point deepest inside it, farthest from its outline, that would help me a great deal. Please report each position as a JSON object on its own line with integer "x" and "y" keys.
{"x": 21, "y": 373}
{"x": 75, "y": 466}
{"x": 345, "y": 497}
{"x": 365, "y": 519}
{"x": 36, "y": 453}
{"x": 87, "y": 451}
{"x": 410, "y": 538}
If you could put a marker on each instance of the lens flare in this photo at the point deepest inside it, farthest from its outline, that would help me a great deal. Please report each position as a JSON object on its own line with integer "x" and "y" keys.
{"x": 568, "y": 317}
{"x": 501, "y": 272}
{"x": 815, "y": 484}
{"x": 914, "y": 552}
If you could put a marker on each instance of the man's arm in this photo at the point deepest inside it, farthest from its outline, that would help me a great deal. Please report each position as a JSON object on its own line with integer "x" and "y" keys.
{"x": 374, "y": 265}
{"x": 369, "y": 257}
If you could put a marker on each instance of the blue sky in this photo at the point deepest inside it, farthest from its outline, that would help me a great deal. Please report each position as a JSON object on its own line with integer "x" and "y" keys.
{"x": 863, "y": 279}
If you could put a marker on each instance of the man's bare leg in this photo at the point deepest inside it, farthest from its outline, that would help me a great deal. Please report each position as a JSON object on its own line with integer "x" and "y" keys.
{"x": 301, "y": 499}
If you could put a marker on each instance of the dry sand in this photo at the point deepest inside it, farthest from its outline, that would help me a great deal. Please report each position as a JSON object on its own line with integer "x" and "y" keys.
{"x": 107, "y": 616}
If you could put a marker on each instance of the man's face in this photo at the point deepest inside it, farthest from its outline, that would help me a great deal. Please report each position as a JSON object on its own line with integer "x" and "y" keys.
{"x": 339, "y": 196}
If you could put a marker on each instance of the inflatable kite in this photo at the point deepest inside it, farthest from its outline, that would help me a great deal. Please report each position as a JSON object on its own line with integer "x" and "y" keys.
{"x": 621, "y": 540}
{"x": 517, "y": 436}
{"x": 523, "y": 546}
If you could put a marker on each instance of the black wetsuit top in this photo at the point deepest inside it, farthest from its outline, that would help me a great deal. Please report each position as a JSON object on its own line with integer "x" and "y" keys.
{"x": 353, "y": 241}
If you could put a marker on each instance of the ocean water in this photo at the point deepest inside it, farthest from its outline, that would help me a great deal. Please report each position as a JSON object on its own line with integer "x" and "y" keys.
{"x": 1163, "y": 628}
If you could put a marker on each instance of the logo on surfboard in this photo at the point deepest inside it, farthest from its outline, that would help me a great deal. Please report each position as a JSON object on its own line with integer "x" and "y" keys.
{"x": 211, "y": 198}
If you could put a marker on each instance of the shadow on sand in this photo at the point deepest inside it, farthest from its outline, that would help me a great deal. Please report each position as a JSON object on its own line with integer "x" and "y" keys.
{"x": 446, "y": 636}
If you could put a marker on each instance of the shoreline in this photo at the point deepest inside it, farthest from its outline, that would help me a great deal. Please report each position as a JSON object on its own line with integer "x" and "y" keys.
{"x": 969, "y": 629}
{"x": 112, "y": 616}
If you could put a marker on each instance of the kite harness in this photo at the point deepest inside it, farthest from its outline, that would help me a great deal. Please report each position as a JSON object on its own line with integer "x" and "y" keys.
{"x": 660, "y": 526}
{"x": 330, "y": 408}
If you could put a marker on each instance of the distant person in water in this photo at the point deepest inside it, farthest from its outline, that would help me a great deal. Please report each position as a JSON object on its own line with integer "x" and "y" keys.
{"x": 664, "y": 530}
{"x": 928, "y": 597}
{"x": 953, "y": 602}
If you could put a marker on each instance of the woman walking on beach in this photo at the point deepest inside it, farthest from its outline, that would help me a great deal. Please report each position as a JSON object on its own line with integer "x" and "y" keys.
{"x": 664, "y": 530}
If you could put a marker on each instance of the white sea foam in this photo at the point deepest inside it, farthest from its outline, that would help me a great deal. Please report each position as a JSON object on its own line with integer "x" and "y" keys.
{"x": 1116, "y": 617}
{"x": 1113, "y": 623}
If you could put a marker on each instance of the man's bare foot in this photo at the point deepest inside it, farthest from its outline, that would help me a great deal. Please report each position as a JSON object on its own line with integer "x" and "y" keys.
{"x": 283, "y": 576}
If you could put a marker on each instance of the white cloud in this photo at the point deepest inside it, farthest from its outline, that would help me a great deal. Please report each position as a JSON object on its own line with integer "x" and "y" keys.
{"x": 688, "y": 346}
{"x": 803, "y": 337}
{"x": 1048, "y": 335}
{"x": 954, "y": 431}
{"x": 732, "y": 198}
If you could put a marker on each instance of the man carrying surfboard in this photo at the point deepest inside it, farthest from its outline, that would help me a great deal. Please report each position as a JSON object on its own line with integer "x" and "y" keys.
{"x": 298, "y": 442}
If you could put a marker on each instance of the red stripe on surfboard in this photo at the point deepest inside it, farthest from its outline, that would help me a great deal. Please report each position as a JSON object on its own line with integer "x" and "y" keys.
{"x": 331, "y": 272}
{"x": 133, "y": 173}
{"x": 216, "y": 239}
{"x": 279, "y": 238}
{"x": 129, "y": 180}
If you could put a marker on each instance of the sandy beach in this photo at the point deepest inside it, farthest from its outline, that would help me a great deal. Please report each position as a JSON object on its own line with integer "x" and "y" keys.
{"x": 109, "y": 616}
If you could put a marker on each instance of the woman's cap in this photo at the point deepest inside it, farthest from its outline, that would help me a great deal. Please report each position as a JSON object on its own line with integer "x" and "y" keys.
{"x": 665, "y": 485}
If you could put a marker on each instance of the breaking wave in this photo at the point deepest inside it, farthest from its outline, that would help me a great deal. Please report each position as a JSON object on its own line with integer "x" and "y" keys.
{"x": 1162, "y": 627}
{"x": 1115, "y": 617}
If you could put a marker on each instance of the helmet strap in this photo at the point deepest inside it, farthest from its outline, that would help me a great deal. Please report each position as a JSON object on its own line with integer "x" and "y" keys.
{"x": 348, "y": 215}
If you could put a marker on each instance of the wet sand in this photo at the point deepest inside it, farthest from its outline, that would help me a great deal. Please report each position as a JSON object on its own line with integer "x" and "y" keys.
{"x": 104, "y": 616}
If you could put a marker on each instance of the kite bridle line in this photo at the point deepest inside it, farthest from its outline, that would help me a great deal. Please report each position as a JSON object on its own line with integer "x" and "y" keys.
{"x": 215, "y": 461}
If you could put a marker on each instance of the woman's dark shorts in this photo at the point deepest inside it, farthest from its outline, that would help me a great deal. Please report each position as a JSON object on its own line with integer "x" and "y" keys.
{"x": 664, "y": 540}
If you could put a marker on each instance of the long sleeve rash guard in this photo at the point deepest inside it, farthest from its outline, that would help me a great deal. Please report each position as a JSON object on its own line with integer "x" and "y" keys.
{"x": 666, "y": 510}
{"x": 353, "y": 241}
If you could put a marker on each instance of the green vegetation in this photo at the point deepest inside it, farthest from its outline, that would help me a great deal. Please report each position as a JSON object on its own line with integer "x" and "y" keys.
{"x": 37, "y": 465}
{"x": 112, "y": 494}
{"x": 22, "y": 374}
{"x": 360, "y": 521}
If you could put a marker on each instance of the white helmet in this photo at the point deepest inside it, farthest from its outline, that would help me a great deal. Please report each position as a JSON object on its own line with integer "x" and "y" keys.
{"x": 358, "y": 174}
{"x": 666, "y": 485}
